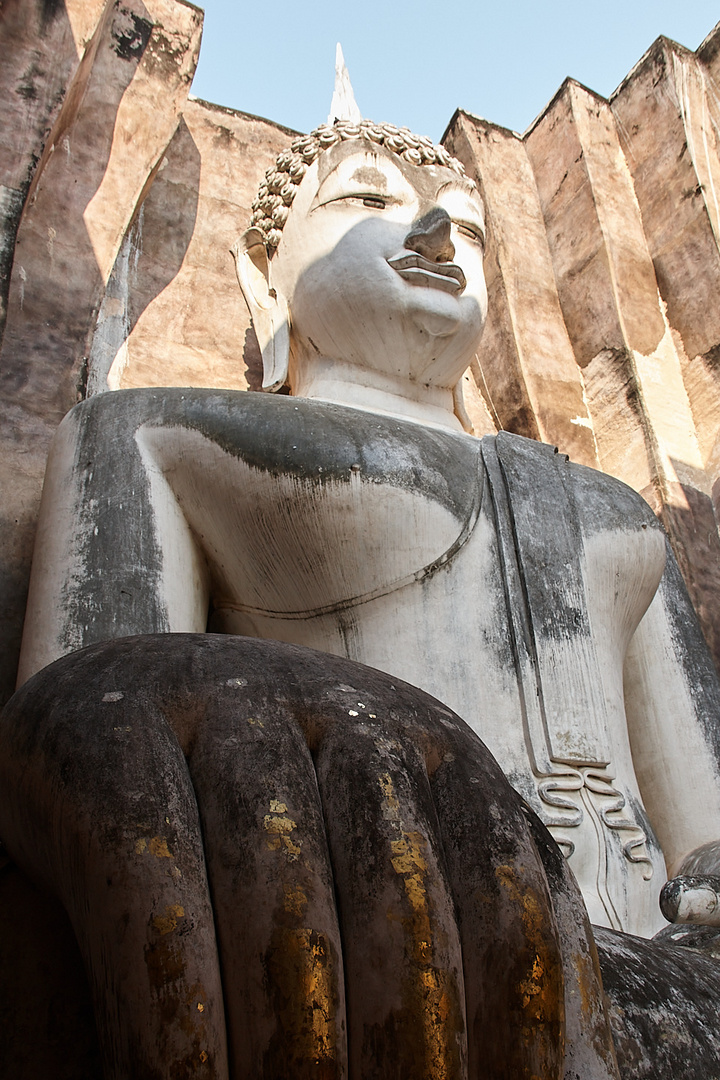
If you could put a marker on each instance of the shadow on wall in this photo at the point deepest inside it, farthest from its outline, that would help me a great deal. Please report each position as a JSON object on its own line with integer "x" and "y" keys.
{"x": 150, "y": 256}
{"x": 252, "y": 358}
{"x": 695, "y": 529}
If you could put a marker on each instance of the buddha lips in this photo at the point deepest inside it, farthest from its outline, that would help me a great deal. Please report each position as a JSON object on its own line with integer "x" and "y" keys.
{"x": 420, "y": 271}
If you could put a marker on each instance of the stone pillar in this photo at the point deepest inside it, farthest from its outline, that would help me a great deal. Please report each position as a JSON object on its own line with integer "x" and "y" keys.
{"x": 606, "y": 281}
{"x": 119, "y": 112}
{"x": 667, "y": 115}
{"x": 708, "y": 53}
{"x": 665, "y": 111}
{"x": 41, "y": 49}
{"x": 526, "y": 366}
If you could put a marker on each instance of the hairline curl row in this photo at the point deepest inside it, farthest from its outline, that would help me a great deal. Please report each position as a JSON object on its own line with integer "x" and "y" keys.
{"x": 278, "y": 189}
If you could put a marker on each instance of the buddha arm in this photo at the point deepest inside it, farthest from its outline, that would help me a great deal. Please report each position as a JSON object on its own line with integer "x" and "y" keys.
{"x": 672, "y": 697}
{"x": 114, "y": 555}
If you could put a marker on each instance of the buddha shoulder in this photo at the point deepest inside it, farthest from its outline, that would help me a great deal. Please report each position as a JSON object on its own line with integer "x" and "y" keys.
{"x": 356, "y": 502}
{"x": 315, "y": 443}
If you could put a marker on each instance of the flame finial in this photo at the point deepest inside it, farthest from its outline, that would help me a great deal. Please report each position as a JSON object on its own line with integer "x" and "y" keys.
{"x": 343, "y": 105}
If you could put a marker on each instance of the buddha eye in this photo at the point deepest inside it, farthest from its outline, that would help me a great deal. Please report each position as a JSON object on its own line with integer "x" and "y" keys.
{"x": 470, "y": 232}
{"x": 371, "y": 200}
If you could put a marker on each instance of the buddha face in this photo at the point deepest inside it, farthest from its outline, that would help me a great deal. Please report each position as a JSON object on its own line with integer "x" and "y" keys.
{"x": 381, "y": 265}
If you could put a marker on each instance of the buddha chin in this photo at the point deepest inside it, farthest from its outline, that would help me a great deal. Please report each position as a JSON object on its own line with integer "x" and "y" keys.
{"x": 401, "y": 322}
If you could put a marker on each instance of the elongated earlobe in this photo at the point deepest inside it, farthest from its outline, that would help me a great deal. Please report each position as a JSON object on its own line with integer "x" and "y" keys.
{"x": 268, "y": 308}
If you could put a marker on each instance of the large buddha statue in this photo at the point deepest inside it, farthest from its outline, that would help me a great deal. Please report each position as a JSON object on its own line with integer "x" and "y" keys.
{"x": 357, "y": 517}
{"x": 532, "y": 597}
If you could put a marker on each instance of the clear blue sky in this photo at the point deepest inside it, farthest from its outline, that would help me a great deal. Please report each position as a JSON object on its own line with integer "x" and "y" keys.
{"x": 414, "y": 61}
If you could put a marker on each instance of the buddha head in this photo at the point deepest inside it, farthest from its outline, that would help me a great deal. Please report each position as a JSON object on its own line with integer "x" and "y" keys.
{"x": 363, "y": 271}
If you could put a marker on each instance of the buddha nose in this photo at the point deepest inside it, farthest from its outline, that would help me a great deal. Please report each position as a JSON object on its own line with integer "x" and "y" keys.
{"x": 430, "y": 236}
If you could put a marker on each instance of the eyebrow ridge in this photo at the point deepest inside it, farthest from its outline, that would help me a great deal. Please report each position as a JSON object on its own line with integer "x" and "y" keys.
{"x": 457, "y": 185}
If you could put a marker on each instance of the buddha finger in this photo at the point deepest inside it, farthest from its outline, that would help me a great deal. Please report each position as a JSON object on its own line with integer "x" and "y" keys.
{"x": 403, "y": 963}
{"x": 511, "y": 953}
{"x": 102, "y": 812}
{"x": 270, "y": 876}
